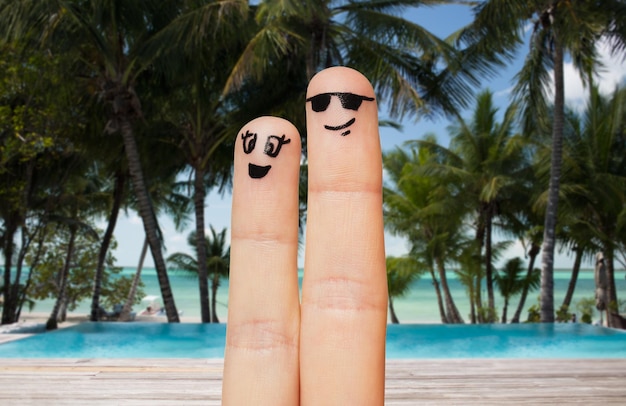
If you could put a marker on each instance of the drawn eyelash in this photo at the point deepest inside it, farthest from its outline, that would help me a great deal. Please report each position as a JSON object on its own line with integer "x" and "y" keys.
{"x": 274, "y": 144}
{"x": 249, "y": 141}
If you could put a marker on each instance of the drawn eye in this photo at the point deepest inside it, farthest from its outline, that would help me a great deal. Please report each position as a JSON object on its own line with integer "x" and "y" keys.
{"x": 351, "y": 101}
{"x": 274, "y": 144}
{"x": 320, "y": 102}
{"x": 249, "y": 141}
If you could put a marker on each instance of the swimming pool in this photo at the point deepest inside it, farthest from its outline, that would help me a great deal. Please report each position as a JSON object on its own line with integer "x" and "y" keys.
{"x": 187, "y": 340}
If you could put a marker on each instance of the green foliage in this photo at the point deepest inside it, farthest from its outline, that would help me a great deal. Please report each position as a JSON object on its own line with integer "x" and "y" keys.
{"x": 487, "y": 314}
{"x": 401, "y": 273}
{"x": 218, "y": 255}
{"x": 511, "y": 279}
{"x": 29, "y": 303}
{"x": 586, "y": 307}
{"x": 534, "y": 314}
{"x": 36, "y": 120}
{"x": 45, "y": 275}
{"x": 563, "y": 315}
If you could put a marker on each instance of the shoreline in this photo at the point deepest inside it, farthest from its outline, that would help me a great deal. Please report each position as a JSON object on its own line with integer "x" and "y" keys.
{"x": 78, "y": 317}
{"x": 418, "y": 306}
{"x": 34, "y": 323}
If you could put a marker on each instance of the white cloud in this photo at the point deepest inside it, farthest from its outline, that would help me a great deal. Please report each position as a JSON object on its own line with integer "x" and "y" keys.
{"x": 395, "y": 246}
{"x": 611, "y": 73}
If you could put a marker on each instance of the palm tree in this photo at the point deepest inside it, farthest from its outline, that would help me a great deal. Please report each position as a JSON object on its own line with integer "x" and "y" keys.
{"x": 78, "y": 199}
{"x": 409, "y": 66}
{"x": 218, "y": 260}
{"x": 511, "y": 281}
{"x": 41, "y": 123}
{"x": 116, "y": 203}
{"x": 204, "y": 117}
{"x": 113, "y": 40}
{"x": 560, "y": 27}
{"x": 471, "y": 274}
{"x": 531, "y": 243}
{"x": 485, "y": 166}
{"x": 418, "y": 207}
{"x": 594, "y": 182}
{"x": 166, "y": 198}
{"x": 401, "y": 273}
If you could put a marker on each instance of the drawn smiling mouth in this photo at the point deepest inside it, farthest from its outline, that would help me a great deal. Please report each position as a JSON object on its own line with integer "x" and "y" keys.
{"x": 257, "y": 172}
{"x": 341, "y": 127}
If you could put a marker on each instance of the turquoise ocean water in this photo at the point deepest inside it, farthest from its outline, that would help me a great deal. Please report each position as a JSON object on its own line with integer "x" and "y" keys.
{"x": 418, "y": 306}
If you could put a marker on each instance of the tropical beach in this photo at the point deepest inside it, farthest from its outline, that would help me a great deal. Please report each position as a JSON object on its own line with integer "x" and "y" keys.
{"x": 418, "y": 305}
{"x": 448, "y": 177}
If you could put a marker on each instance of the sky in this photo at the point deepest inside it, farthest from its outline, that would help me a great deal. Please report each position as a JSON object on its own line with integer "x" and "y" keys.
{"x": 442, "y": 21}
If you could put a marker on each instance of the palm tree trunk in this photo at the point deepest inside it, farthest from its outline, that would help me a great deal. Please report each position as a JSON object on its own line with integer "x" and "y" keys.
{"x": 454, "y": 316}
{"x": 505, "y": 309}
{"x": 51, "y": 324}
{"x": 392, "y": 312}
{"x": 573, "y": 279}
{"x": 148, "y": 217}
{"x": 16, "y": 294}
{"x": 534, "y": 251}
{"x": 118, "y": 192}
{"x": 488, "y": 266}
{"x": 480, "y": 237}
{"x": 10, "y": 303}
{"x": 611, "y": 292}
{"x": 15, "y": 218}
{"x": 198, "y": 197}
{"x": 549, "y": 230}
{"x": 472, "y": 296}
{"x": 215, "y": 284}
{"x": 128, "y": 305}
{"x": 442, "y": 311}
{"x": 34, "y": 262}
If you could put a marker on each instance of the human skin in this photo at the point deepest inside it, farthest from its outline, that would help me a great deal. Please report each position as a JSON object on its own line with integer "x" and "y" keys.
{"x": 330, "y": 349}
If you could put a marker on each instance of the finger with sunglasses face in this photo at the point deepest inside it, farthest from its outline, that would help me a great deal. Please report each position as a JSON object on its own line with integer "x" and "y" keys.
{"x": 344, "y": 291}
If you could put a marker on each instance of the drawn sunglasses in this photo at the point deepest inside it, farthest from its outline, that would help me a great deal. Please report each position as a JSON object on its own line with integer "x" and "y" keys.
{"x": 348, "y": 101}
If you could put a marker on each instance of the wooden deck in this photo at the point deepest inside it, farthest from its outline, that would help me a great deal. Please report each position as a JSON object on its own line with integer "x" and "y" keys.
{"x": 409, "y": 382}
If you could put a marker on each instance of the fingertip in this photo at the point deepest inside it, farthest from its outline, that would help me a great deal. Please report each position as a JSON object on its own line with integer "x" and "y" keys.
{"x": 342, "y": 130}
{"x": 340, "y": 79}
{"x": 265, "y": 143}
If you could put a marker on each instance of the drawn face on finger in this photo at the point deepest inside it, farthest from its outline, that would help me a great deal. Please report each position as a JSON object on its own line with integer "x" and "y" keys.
{"x": 349, "y": 101}
{"x": 272, "y": 147}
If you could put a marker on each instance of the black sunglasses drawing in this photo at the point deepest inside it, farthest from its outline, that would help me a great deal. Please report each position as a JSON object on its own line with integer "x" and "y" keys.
{"x": 348, "y": 101}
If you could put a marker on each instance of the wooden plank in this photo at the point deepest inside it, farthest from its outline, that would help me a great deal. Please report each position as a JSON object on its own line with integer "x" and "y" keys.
{"x": 409, "y": 382}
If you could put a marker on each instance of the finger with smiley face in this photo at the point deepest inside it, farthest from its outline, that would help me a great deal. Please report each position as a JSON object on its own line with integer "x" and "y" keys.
{"x": 261, "y": 353}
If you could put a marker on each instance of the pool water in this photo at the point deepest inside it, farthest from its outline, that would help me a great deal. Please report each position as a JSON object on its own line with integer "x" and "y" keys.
{"x": 571, "y": 340}
{"x": 187, "y": 340}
